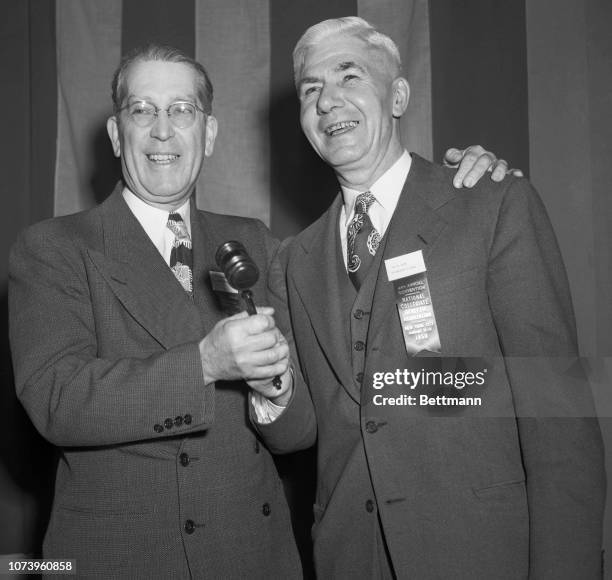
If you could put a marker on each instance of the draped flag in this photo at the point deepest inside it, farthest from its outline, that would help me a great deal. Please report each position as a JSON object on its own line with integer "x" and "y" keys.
{"x": 479, "y": 72}
{"x": 235, "y": 40}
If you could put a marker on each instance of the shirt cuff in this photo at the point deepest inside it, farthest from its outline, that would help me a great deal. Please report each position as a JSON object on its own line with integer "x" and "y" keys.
{"x": 265, "y": 410}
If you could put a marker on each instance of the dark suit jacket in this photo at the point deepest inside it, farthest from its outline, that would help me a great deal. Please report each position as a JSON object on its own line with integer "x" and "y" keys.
{"x": 511, "y": 489}
{"x": 160, "y": 476}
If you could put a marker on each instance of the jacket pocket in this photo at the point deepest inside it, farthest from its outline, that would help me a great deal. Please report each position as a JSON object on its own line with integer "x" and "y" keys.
{"x": 501, "y": 491}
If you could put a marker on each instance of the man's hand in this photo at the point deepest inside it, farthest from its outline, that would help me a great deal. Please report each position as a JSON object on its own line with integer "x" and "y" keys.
{"x": 244, "y": 347}
{"x": 474, "y": 162}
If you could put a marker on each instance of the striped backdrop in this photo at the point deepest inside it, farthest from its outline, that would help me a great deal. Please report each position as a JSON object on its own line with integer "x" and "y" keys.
{"x": 480, "y": 72}
{"x": 262, "y": 166}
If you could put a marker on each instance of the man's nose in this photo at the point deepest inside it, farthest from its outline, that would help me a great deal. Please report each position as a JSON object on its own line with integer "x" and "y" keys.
{"x": 162, "y": 128}
{"x": 330, "y": 97}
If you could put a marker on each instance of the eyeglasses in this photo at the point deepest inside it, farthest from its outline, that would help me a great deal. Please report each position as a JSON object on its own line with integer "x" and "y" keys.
{"x": 182, "y": 114}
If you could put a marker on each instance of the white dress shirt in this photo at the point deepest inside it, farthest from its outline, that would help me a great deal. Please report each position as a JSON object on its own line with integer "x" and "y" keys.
{"x": 386, "y": 189}
{"x": 154, "y": 222}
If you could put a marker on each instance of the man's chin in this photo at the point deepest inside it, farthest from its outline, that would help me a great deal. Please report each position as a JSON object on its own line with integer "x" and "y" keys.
{"x": 343, "y": 160}
{"x": 336, "y": 152}
{"x": 160, "y": 196}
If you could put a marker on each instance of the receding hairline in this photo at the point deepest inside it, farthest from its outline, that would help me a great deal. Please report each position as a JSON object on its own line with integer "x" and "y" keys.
{"x": 369, "y": 66}
{"x": 349, "y": 27}
{"x": 160, "y": 53}
{"x": 135, "y": 68}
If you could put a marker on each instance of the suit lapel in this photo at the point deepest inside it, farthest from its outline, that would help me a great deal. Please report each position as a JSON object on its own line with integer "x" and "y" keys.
{"x": 141, "y": 279}
{"x": 415, "y": 225}
{"x": 206, "y": 238}
{"x": 326, "y": 291}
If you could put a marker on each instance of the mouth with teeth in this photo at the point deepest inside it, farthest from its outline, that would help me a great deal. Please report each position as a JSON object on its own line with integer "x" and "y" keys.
{"x": 162, "y": 158}
{"x": 340, "y": 128}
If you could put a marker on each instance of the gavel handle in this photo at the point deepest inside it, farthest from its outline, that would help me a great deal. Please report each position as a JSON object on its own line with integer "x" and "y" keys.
{"x": 247, "y": 296}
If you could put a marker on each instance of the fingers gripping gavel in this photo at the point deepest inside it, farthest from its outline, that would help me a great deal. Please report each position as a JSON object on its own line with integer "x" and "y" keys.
{"x": 241, "y": 273}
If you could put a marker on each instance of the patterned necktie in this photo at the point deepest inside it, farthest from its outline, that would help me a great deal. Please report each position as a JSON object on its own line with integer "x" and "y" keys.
{"x": 181, "y": 257}
{"x": 362, "y": 240}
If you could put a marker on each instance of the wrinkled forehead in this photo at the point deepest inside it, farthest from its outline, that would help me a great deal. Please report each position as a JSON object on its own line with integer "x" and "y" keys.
{"x": 159, "y": 76}
{"x": 339, "y": 52}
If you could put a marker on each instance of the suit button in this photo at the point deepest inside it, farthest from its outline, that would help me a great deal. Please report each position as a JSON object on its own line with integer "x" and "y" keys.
{"x": 369, "y": 505}
{"x": 158, "y": 428}
{"x": 187, "y": 419}
{"x": 178, "y": 421}
{"x": 190, "y": 526}
{"x": 266, "y": 510}
{"x": 168, "y": 423}
{"x": 359, "y": 377}
{"x": 358, "y": 314}
{"x": 371, "y": 427}
{"x": 184, "y": 458}
{"x": 359, "y": 345}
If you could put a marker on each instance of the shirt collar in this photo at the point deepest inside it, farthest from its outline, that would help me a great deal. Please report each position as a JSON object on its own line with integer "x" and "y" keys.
{"x": 153, "y": 219}
{"x": 386, "y": 189}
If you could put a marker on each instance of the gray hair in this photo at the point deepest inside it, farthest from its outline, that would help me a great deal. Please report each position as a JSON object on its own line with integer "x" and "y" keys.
{"x": 350, "y": 26}
{"x": 161, "y": 53}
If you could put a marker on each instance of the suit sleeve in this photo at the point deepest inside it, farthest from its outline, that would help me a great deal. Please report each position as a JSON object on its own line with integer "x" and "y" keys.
{"x": 560, "y": 439}
{"x": 295, "y": 428}
{"x": 73, "y": 397}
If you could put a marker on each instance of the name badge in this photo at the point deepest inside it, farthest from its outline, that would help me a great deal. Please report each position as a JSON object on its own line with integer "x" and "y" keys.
{"x": 228, "y": 297}
{"x": 413, "y": 300}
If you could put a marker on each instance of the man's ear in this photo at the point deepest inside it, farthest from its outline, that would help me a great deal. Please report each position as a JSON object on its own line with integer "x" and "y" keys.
{"x": 210, "y": 134}
{"x": 113, "y": 133}
{"x": 401, "y": 96}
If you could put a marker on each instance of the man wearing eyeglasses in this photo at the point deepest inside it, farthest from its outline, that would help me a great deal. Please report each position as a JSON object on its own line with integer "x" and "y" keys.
{"x": 126, "y": 361}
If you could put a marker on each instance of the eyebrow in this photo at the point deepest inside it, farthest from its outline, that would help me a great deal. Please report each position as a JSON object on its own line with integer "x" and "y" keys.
{"x": 309, "y": 81}
{"x": 341, "y": 67}
{"x": 348, "y": 64}
{"x": 186, "y": 98}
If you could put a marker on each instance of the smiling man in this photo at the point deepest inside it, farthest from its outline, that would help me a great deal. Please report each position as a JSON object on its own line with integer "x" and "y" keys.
{"x": 125, "y": 359}
{"x": 412, "y": 482}
{"x": 350, "y": 108}
{"x": 160, "y": 159}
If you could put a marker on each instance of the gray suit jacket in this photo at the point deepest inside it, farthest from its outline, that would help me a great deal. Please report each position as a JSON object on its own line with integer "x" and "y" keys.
{"x": 160, "y": 476}
{"x": 511, "y": 489}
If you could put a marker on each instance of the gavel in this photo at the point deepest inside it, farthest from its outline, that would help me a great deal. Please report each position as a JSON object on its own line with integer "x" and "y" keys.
{"x": 241, "y": 273}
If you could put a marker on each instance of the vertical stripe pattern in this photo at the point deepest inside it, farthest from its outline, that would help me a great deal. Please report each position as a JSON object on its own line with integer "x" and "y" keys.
{"x": 145, "y": 21}
{"x": 88, "y": 50}
{"x": 479, "y": 77}
{"x": 564, "y": 112}
{"x": 302, "y": 186}
{"x": 43, "y": 91}
{"x": 233, "y": 43}
{"x": 407, "y": 23}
